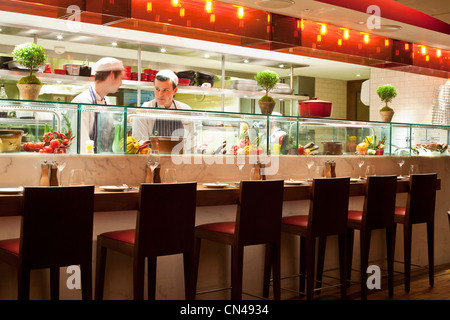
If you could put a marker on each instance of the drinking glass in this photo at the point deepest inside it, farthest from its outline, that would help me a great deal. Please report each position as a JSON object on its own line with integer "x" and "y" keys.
{"x": 60, "y": 164}
{"x": 76, "y": 177}
{"x": 309, "y": 164}
{"x": 240, "y": 162}
{"x": 400, "y": 162}
{"x": 153, "y": 161}
{"x": 170, "y": 175}
{"x": 413, "y": 169}
{"x": 370, "y": 170}
{"x": 360, "y": 161}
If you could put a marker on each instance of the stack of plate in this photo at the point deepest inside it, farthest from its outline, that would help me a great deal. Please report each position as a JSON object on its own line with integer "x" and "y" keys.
{"x": 244, "y": 85}
{"x": 282, "y": 88}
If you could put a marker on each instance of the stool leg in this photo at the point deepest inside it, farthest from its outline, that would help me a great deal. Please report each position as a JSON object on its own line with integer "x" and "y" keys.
{"x": 390, "y": 258}
{"x": 100, "y": 270}
{"x": 23, "y": 281}
{"x": 198, "y": 243}
{"x": 364, "y": 256}
{"x": 138, "y": 277}
{"x": 54, "y": 283}
{"x": 407, "y": 230}
{"x": 237, "y": 263}
{"x": 320, "y": 262}
{"x": 302, "y": 277}
{"x": 276, "y": 267}
{"x": 350, "y": 239}
{"x": 310, "y": 257}
{"x": 189, "y": 269}
{"x": 267, "y": 271}
{"x": 430, "y": 236}
{"x": 342, "y": 239}
{"x": 86, "y": 280}
{"x": 151, "y": 278}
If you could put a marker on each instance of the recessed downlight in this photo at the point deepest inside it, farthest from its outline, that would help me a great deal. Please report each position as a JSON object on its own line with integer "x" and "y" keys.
{"x": 59, "y": 37}
{"x": 114, "y": 44}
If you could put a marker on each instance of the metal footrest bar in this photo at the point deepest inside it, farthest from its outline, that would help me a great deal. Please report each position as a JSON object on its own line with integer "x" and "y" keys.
{"x": 213, "y": 290}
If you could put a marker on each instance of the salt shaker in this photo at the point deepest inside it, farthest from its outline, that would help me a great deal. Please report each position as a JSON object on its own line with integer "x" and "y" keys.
{"x": 330, "y": 169}
{"x": 45, "y": 181}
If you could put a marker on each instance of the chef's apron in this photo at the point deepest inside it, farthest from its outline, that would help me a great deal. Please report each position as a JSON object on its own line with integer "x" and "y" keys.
{"x": 167, "y": 128}
{"x": 94, "y": 135}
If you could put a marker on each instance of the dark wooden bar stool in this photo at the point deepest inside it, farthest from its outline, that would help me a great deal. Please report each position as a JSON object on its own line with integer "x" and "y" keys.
{"x": 53, "y": 236}
{"x": 327, "y": 216}
{"x": 377, "y": 213}
{"x": 258, "y": 221}
{"x": 420, "y": 207}
{"x": 165, "y": 226}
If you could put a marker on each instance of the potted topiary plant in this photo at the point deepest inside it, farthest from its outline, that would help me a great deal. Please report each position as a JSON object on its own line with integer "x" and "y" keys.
{"x": 386, "y": 93}
{"x": 31, "y": 56}
{"x": 267, "y": 80}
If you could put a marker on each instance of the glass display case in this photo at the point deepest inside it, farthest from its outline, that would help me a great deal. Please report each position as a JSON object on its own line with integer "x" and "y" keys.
{"x": 81, "y": 129}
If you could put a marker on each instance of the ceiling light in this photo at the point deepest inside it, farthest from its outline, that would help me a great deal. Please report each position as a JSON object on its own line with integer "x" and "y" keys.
{"x": 275, "y": 4}
{"x": 388, "y": 28}
{"x": 206, "y": 55}
{"x": 59, "y": 37}
{"x": 163, "y": 50}
{"x": 0, "y": 29}
{"x": 246, "y": 61}
{"x": 358, "y": 75}
{"x": 114, "y": 44}
{"x": 281, "y": 65}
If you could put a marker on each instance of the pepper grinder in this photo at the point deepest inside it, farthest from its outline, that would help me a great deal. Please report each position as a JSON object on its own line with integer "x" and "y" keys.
{"x": 330, "y": 169}
{"x": 45, "y": 181}
{"x": 256, "y": 171}
{"x": 54, "y": 174}
{"x": 153, "y": 175}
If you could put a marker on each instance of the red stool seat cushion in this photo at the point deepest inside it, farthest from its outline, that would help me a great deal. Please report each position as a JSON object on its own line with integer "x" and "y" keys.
{"x": 122, "y": 235}
{"x": 400, "y": 211}
{"x": 11, "y": 245}
{"x": 222, "y": 227}
{"x": 354, "y": 218}
{"x": 298, "y": 220}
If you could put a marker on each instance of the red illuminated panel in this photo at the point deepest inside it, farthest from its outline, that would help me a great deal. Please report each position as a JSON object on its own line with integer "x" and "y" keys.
{"x": 395, "y": 11}
{"x": 345, "y": 41}
{"x": 429, "y": 57}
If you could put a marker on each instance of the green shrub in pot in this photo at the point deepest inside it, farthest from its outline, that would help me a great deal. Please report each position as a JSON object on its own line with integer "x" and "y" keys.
{"x": 386, "y": 93}
{"x": 267, "y": 80}
{"x": 31, "y": 56}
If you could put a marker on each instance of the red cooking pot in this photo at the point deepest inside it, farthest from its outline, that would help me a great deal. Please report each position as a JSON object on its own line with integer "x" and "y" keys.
{"x": 314, "y": 108}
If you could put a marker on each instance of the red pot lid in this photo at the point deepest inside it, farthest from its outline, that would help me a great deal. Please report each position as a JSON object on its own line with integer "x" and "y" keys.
{"x": 314, "y": 99}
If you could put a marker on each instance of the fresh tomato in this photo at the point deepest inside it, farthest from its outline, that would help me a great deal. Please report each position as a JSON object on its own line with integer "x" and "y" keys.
{"x": 38, "y": 145}
{"x": 55, "y": 144}
{"x": 48, "y": 136}
{"x": 48, "y": 150}
{"x": 65, "y": 142}
{"x": 301, "y": 150}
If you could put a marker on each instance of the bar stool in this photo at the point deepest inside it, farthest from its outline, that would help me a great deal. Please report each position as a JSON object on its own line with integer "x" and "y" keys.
{"x": 53, "y": 236}
{"x": 258, "y": 221}
{"x": 377, "y": 213}
{"x": 328, "y": 213}
{"x": 164, "y": 226}
{"x": 420, "y": 206}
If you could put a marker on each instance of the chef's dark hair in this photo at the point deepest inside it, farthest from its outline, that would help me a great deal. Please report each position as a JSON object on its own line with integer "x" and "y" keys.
{"x": 103, "y": 75}
{"x": 164, "y": 78}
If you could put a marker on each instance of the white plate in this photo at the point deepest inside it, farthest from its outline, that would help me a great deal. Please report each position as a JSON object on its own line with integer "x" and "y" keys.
{"x": 11, "y": 190}
{"x": 294, "y": 182}
{"x": 113, "y": 188}
{"x": 355, "y": 180}
{"x": 215, "y": 185}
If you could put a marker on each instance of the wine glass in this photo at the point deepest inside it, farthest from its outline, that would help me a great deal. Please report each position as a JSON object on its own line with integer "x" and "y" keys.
{"x": 60, "y": 164}
{"x": 309, "y": 164}
{"x": 360, "y": 162}
{"x": 400, "y": 162}
{"x": 153, "y": 161}
{"x": 170, "y": 175}
{"x": 240, "y": 163}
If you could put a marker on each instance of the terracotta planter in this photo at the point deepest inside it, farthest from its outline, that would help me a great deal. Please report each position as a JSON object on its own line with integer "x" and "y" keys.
{"x": 29, "y": 91}
{"x": 386, "y": 116}
{"x": 266, "y": 106}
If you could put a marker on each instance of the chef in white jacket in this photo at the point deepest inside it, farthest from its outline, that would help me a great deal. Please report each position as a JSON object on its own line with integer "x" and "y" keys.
{"x": 108, "y": 79}
{"x": 166, "y": 86}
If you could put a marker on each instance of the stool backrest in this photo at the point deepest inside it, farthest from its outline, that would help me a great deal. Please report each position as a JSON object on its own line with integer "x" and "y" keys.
{"x": 57, "y": 226}
{"x": 166, "y": 218}
{"x": 421, "y": 198}
{"x": 259, "y": 212}
{"x": 379, "y": 203}
{"x": 328, "y": 210}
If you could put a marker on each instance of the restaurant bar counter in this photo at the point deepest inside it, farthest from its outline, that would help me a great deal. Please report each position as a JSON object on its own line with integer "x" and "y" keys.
{"x": 101, "y": 169}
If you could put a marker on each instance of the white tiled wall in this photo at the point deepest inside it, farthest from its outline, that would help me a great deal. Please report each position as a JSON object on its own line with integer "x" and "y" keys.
{"x": 414, "y": 101}
{"x": 334, "y": 91}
